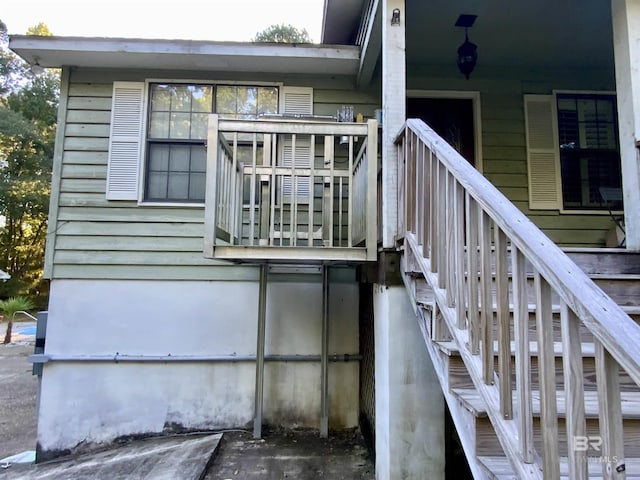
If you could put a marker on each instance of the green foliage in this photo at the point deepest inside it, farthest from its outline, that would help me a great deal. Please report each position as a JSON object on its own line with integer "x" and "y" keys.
{"x": 9, "y": 308}
{"x": 28, "y": 112}
{"x": 282, "y": 34}
{"x": 40, "y": 30}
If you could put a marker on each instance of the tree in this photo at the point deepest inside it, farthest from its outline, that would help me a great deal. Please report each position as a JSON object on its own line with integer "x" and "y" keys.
{"x": 9, "y": 308}
{"x": 40, "y": 30}
{"x": 282, "y": 34}
{"x": 28, "y": 111}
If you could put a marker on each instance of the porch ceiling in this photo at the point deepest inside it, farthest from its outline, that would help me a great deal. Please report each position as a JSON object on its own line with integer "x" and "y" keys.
{"x": 551, "y": 33}
{"x": 570, "y": 33}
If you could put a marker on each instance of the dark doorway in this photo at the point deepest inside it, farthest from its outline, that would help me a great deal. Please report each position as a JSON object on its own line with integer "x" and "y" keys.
{"x": 451, "y": 118}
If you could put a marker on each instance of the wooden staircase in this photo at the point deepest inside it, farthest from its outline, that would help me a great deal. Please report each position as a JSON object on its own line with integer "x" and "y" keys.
{"x": 537, "y": 350}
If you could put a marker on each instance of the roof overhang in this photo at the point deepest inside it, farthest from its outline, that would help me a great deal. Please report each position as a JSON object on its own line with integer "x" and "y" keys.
{"x": 56, "y": 52}
{"x": 341, "y": 20}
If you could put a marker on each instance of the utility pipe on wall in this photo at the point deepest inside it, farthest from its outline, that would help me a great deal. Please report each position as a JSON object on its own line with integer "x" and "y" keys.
{"x": 118, "y": 358}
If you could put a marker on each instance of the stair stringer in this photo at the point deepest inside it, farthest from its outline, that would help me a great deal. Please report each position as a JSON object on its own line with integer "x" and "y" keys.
{"x": 463, "y": 420}
{"x": 506, "y": 430}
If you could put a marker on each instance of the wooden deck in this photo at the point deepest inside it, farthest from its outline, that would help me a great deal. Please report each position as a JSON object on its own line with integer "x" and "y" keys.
{"x": 291, "y": 190}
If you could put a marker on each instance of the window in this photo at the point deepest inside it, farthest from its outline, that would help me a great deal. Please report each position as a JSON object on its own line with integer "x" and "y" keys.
{"x": 572, "y": 152}
{"x": 177, "y": 131}
{"x": 589, "y": 153}
{"x": 173, "y": 168}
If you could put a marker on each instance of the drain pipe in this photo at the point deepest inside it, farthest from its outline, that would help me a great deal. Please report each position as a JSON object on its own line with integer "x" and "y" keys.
{"x": 324, "y": 363}
{"x": 124, "y": 358}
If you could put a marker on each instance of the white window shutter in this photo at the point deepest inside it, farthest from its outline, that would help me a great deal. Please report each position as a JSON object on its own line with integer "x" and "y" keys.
{"x": 125, "y": 141}
{"x": 543, "y": 162}
{"x": 297, "y": 101}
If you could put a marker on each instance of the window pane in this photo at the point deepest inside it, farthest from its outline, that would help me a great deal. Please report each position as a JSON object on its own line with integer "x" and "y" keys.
{"x": 589, "y": 156}
{"x": 606, "y": 111}
{"x": 179, "y": 161}
{"x": 159, "y": 157}
{"x": 198, "y": 159}
{"x": 181, "y": 101}
{"x": 160, "y": 98}
{"x": 159, "y": 125}
{"x": 180, "y": 125}
{"x": 202, "y": 99}
{"x": 157, "y": 188}
{"x": 179, "y": 186}
{"x": 226, "y": 100}
{"x": 247, "y": 101}
{"x": 199, "y": 122}
{"x": 267, "y": 100}
{"x": 197, "y": 186}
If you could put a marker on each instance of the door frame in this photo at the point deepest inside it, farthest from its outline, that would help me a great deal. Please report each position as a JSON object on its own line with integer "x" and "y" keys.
{"x": 474, "y": 96}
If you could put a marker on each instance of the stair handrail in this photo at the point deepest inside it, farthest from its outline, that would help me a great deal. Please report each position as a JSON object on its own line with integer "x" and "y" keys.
{"x": 459, "y": 187}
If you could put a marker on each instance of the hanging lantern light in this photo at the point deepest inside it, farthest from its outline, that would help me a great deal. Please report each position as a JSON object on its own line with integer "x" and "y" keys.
{"x": 468, "y": 51}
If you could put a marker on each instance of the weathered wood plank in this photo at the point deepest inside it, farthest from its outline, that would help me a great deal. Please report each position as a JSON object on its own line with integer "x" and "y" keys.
{"x": 459, "y": 252}
{"x": 89, "y": 103}
{"x": 84, "y": 171}
{"x": 502, "y": 323}
{"x": 87, "y": 130}
{"x": 473, "y": 311}
{"x": 523, "y": 360}
{"x": 574, "y": 391}
{"x": 116, "y": 242}
{"x": 90, "y": 144}
{"x": 610, "y": 412}
{"x": 89, "y": 116}
{"x": 154, "y": 272}
{"x": 91, "y": 89}
{"x": 122, "y": 257}
{"x": 486, "y": 322}
{"x": 132, "y": 213}
{"x": 73, "y": 185}
{"x": 86, "y": 158}
{"x": 130, "y": 229}
{"x": 548, "y": 419}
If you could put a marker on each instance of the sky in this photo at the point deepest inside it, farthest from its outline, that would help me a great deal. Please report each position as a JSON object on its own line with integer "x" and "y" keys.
{"x": 219, "y": 20}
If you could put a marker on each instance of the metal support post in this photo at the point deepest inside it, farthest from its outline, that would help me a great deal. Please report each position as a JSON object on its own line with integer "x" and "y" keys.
{"x": 324, "y": 356}
{"x": 262, "y": 316}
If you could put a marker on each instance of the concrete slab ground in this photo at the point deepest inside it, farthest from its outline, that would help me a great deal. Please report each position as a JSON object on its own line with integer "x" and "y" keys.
{"x": 18, "y": 390}
{"x": 300, "y": 455}
{"x": 280, "y": 455}
{"x": 165, "y": 458}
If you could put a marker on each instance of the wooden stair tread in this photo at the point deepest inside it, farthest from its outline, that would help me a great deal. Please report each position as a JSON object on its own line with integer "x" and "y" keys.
{"x": 500, "y": 468}
{"x": 473, "y": 402}
{"x": 451, "y": 348}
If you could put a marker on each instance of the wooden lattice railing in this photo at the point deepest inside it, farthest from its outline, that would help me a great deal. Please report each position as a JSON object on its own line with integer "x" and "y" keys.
{"x": 479, "y": 253}
{"x": 290, "y": 189}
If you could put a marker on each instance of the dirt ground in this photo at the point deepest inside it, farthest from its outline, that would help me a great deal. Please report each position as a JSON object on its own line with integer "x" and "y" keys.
{"x": 300, "y": 455}
{"x": 17, "y": 400}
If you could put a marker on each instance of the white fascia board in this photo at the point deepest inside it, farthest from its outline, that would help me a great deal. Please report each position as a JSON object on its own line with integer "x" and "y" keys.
{"x": 55, "y": 52}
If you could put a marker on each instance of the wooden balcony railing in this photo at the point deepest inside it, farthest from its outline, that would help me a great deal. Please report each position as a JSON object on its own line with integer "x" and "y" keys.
{"x": 291, "y": 190}
{"x": 486, "y": 263}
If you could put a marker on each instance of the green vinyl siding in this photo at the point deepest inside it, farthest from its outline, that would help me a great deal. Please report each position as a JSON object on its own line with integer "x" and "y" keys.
{"x": 94, "y": 238}
{"x": 504, "y": 153}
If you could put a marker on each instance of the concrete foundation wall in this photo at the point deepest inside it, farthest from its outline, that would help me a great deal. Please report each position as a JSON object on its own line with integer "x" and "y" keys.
{"x": 98, "y": 402}
{"x": 409, "y": 402}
